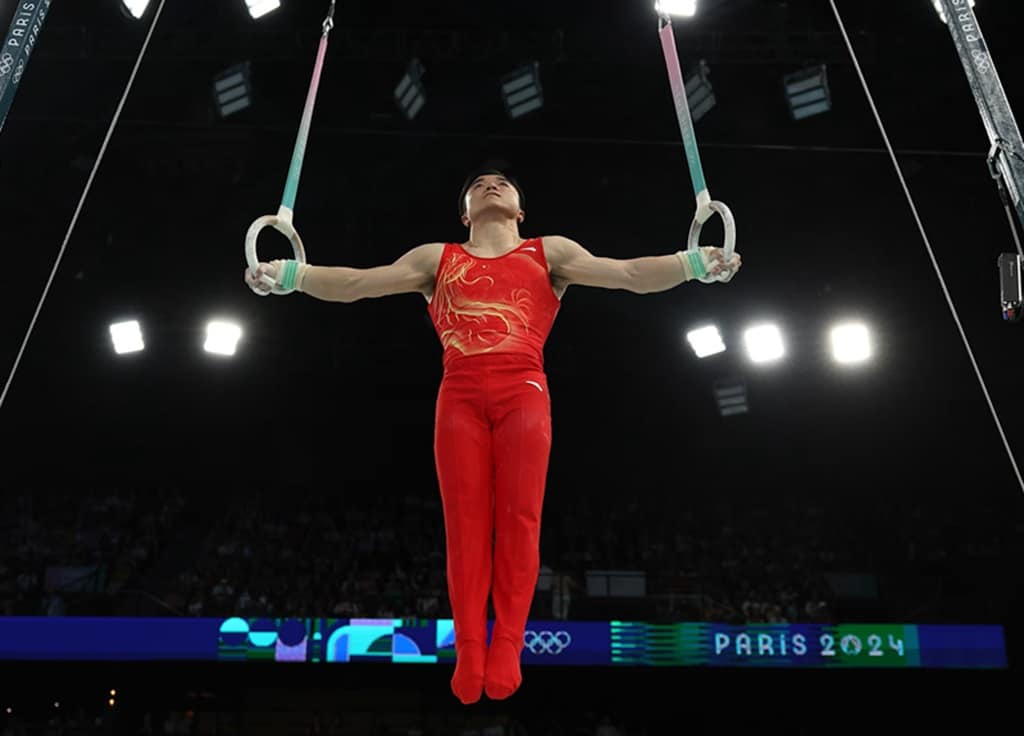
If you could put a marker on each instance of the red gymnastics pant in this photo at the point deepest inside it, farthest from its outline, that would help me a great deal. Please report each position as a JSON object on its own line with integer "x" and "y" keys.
{"x": 491, "y": 446}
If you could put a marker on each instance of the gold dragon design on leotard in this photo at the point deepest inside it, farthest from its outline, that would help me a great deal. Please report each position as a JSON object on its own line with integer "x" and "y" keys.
{"x": 455, "y": 312}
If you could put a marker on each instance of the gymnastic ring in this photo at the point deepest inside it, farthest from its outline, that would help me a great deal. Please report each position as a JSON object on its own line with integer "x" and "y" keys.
{"x": 282, "y": 222}
{"x": 727, "y": 219}
{"x": 704, "y": 212}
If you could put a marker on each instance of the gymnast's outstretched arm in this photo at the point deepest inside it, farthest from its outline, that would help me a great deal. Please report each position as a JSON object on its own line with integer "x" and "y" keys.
{"x": 571, "y": 263}
{"x": 413, "y": 272}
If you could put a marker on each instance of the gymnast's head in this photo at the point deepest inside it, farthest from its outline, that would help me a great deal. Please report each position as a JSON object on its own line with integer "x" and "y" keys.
{"x": 490, "y": 193}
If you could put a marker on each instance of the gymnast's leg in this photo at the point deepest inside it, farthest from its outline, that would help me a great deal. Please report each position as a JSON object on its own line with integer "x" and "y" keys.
{"x": 462, "y": 454}
{"x": 522, "y": 445}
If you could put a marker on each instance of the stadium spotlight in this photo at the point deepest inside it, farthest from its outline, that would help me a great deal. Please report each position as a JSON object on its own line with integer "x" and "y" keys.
{"x": 764, "y": 343}
{"x": 521, "y": 90}
{"x": 222, "y": 338}
{"x": 705, "y": 341}
{"x": 232, "y": 90}
{"x": 851, "y": 343}
{"x": 259, "y": 8}
{"x": 127, "y": 337}
{"x": 807, "y": 92}
{"x": 681, "y": 8}
{"x": 731, "y": 396}
{"x": 410, "y": 94}
{"x": 699, "y": 94}
{"x": 134, "y": 8}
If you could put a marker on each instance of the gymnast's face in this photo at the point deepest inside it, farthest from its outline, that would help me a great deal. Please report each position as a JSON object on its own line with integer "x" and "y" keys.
{"x": 492, "y": 194}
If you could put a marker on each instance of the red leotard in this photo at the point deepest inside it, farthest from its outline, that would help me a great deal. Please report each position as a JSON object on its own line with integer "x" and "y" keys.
{"x": 491, "y": 446}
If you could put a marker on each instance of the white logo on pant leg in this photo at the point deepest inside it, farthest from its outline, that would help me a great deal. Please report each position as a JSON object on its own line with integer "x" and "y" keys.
{"x": 539, "y": 387}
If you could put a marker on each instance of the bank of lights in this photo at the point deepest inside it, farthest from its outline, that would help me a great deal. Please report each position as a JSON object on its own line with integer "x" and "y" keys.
{"x": 222, "y": 337}
{"x": 850, "y": 343}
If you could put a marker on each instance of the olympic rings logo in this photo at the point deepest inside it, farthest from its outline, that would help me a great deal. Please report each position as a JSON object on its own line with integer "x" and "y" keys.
{"x": 547, "y": 642}
{"x": 981, "y": 61}
{"x": 6, "y": 64}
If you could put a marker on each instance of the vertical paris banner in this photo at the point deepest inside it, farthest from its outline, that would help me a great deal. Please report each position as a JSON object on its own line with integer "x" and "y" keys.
{"x": 18, "y": 45}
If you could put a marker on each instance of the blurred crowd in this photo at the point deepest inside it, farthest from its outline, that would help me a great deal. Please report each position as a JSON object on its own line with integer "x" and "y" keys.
{"x": 298, "y": 552}
{"x": 87, "y": 545}
{"x": 195, "y": 720}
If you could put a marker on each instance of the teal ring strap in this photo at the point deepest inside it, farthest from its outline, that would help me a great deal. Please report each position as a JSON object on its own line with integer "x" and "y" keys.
{"x": 291, "y": 187}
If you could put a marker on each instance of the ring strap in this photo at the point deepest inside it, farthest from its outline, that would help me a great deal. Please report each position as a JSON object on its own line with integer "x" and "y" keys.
{"x": 291, "y": 188}
{"x": 675, "y": 78}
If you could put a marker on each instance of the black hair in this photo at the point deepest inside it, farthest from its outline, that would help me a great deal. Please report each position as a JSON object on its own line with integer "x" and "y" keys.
{"x": 498, "y": 168}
